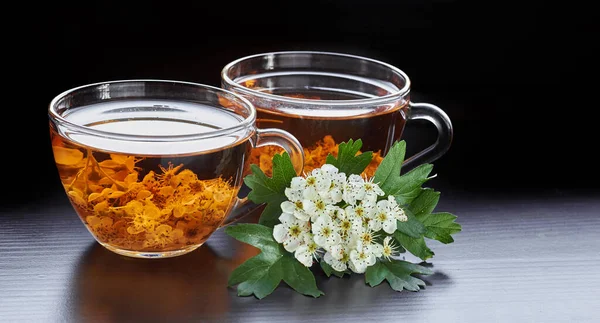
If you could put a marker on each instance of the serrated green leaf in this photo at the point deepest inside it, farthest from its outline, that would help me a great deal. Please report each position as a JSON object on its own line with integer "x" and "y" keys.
{"x": 388, "y": 171}
{"x": 425, "y": 203}
{"x": 398, "y": 274}
{"x": 440, "y": 226}
{"x": 375, "y": 275}
{"x": 405, "y": 188}
{"x": 412, "y": 227}
{"x": 299, "y": 277}
{"x": 257, "y": 276}
{"x": 328, "y": 270}
{"x": 255, "y": 235}
{"x": 347, "y": 160}
{"x": 271, "y": 190}
{"x": 416, "y": 246}
{"x": 261, "y": 274}
{"x": 408, "y": 186}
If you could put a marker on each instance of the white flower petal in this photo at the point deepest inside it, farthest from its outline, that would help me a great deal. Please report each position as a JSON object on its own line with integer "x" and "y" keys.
{"x": 356, "y": 179}
{"x": 298, "y": 183}
{"x": 359, "y": 267}
{"x": 310, "y": 193}
{"x": 375, "y": 249}
{"x": 293, "y": 194}
{"x": 321, "y": 240}
{"x": 333, "y": 239}
{"x": 287, "y": 219}
{"x": 375, "y": 224}
{"x": 304, "y": 256}
{"x": 279, "y": 233}
{"x": 288, "y": 207}
{"x": 370, "y": 261}
{"x": 378, "y": 190}
{"x": 335, "y": 195}
{"x": 336, "y": 251}
{"x": 329, "y": 170}
{"x": 291, "y": 244}
{"x": 390, "y": 225}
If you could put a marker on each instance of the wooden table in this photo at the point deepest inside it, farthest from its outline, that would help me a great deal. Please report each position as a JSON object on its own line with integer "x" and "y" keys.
{"x": 520, "y": 258}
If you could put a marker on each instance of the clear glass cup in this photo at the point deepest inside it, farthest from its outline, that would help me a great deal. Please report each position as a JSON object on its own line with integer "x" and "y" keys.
{"x": 325, "y": 98}
{"x": 153, "y": 167}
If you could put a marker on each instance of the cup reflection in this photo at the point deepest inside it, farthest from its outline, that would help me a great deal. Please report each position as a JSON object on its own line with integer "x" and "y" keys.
{"x": 113, "y": 288}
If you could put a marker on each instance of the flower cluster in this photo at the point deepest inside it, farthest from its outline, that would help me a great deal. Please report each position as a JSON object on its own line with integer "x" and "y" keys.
{"x": 345, "y": 220}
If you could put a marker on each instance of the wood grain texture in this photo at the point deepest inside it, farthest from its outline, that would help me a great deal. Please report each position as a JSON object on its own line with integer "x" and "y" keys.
{"x": 519, "y": 258}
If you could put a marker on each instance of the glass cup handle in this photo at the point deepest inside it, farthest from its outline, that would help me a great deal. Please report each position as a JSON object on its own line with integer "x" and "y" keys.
{"x": 435, "y": 115}
{"x": 269, "y": 137}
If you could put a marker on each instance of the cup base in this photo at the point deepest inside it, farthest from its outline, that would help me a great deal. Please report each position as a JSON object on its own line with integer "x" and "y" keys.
{"x": 150, "y": 255}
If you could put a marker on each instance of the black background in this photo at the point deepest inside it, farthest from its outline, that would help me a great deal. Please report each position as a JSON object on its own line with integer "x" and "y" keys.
{"x": 519, "y": 80}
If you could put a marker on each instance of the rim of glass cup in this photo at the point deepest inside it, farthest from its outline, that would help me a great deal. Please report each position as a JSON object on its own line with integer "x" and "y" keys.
{"x": 247, "y": 122}
{"x": 318, "y": 102}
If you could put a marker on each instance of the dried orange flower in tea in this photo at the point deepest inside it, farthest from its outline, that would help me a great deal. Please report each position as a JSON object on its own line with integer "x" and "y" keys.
{"x": 314, "y": 156}
{"x": 162, "y": 211}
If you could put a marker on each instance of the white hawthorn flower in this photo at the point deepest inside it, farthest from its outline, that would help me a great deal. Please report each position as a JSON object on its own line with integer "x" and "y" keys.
{"x": 325, "y": 232}
{"x": 296, "y": 189}
{"x": 307, "y": 252}
{"x": 354, "y": 189}
{"x": 291, "y": 232}
{"x": 385, "y": 217}
{"x": 361, "y": 258}
{"x": 316, "y": 182}
{"x": 294, "y": 194}
{"x": 315, "y": 208}
{"x": 337, "y": 257}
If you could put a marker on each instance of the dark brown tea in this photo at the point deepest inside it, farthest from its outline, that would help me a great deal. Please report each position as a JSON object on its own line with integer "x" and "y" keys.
{"x": 321, "y": 130}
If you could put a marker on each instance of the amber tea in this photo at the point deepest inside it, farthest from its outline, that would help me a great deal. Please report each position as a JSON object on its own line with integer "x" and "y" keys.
{"x": 138, "y": 197}
{"x": 320, "y": 131}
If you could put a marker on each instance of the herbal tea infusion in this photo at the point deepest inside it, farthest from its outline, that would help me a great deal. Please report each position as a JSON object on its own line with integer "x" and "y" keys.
{"x": 321, "y": 134}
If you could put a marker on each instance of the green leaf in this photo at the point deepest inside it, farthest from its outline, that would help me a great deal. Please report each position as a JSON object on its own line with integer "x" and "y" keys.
{"x": 398, "y": 274}
{"x": 261, "y": 274}
{"x": 416, "y": 246}
{"x": 299, "y": 277}
{"x": 389, "y": 169}
{"x": 425, "y": 203}
{"x": 375, "y": 275}
{"x": 408, "y": 186}
{"x": 328, "y": 270}
{"x": 440, "y": 226}
{"x": 412, "y": 227}
{"x": 271, "y": 190}
{"x": 405, "y": 188}
{"x": 348, "y": 161}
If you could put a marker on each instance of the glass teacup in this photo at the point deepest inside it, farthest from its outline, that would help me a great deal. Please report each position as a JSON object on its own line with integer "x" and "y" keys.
{"x": 153, "y": 167}
{"x": 325, "y": 98}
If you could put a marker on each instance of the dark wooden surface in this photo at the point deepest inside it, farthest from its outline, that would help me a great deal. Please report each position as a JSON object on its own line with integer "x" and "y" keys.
{"x": 520, "y": 258}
